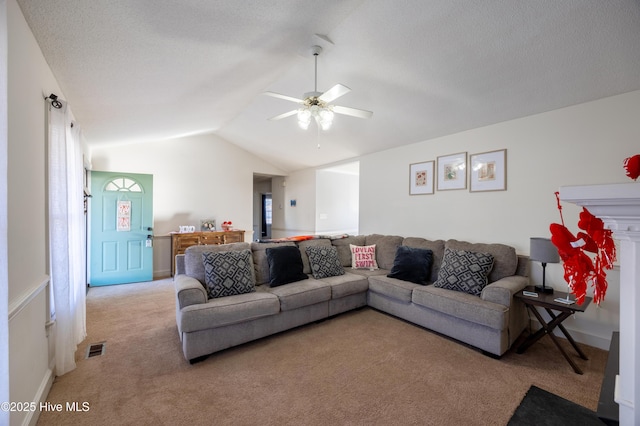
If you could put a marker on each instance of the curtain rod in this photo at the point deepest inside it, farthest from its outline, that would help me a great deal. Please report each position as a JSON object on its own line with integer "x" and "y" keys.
{"x": 54, "y": 101}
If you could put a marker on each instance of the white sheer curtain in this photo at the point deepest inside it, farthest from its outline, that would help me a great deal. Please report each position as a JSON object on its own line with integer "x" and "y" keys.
{"x": 66, "y": 236}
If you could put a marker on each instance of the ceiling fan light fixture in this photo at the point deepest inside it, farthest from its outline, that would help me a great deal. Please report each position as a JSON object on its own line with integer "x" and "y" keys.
{"x": 325, "y": 118}
{"x": 304, "y": 118}
{"x": 317, "y": 105}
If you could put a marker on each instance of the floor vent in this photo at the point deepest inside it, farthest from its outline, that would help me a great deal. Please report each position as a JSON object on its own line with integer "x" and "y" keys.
{"x": 95, "y": 349}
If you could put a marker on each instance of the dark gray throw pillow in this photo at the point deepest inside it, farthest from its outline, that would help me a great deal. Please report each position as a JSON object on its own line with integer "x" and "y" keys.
{"x": 412, "y": 264}
{"x": 464, "y": 271}
{"x": 285, "y": 265}
{"x": 324, "y": 261}
{"x": 228, "y": 273}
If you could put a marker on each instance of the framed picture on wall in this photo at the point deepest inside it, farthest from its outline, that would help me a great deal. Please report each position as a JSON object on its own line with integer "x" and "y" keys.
{"x": 489, "y": 171}
{"x": 421, "y": 178}
{"x": 452, "y": 171}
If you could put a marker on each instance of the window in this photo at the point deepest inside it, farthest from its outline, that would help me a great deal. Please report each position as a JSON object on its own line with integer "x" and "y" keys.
{"x": 123, "y": 185}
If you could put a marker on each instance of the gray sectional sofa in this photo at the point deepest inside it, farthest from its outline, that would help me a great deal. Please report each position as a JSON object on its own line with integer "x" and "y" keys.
{"x": 490, "y": 321}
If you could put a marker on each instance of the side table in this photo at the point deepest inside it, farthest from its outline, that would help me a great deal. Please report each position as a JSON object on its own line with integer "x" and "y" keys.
{"x": 558, "y": 312}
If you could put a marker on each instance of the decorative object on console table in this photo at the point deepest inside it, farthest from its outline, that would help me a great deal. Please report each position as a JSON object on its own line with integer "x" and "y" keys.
{"x": 227, "y": 225}
{"x": 208, "y": 225}
{"x": 488, "y": 171}
{"x": 542, "y": 250}
{"x": 452, "y": 171}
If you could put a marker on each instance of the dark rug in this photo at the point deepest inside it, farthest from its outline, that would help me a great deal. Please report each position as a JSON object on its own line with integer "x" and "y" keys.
{"x": 542, "y": 408}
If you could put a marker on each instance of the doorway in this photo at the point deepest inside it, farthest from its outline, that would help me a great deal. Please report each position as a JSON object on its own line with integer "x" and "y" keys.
{"x": 262, "y": 207}
{"x": 267, "y": 215}
{"x": 121, "y": 230}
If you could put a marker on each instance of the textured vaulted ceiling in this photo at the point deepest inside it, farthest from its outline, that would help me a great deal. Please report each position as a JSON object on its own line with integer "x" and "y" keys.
{"x": 155, "y": 69}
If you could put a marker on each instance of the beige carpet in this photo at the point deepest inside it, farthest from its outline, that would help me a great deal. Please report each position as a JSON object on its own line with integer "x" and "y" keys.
{"x": 362, "y": 367}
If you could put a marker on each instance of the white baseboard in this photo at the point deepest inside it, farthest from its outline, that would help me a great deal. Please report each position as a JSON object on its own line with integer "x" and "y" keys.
{"x": 161, "y": 273}
{"x": 579, "y": 336}
{"x": 41, "y": 396}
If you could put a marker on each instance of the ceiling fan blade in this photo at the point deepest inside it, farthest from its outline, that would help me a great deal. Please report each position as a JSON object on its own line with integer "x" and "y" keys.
{"x": 285, "y": 115}
{"x": 334, "y": 93}
{"x": 285, "y": 97}
{"x": 360, "y": 113}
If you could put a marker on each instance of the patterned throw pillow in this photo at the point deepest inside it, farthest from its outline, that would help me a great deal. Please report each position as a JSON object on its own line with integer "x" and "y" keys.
{"x": 228, "y": 273}
{"x": 464, "y": 271}
{"x": 324, "y": 261}
{"x": 363, "y": 257}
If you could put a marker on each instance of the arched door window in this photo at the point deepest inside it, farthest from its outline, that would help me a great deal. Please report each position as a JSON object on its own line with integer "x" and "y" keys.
{"x": 122, "y": 184}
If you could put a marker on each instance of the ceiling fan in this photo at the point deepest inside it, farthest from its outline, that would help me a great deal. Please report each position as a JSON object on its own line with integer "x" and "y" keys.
{"x": 317, "y": 105}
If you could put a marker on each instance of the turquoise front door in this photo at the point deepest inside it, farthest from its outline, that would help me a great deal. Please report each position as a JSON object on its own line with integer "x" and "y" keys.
{"x": 121, "y": 231}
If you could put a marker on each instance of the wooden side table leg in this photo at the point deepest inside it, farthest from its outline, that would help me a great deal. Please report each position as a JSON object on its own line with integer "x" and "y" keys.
{"x": 568, "y": 336}
{"x": 537, "y": 335}
{"x": 547, "y": 328}
{"x": 573, "y": 343}
{"x": 564, "y": 353}
{"x": 557, "y": 322}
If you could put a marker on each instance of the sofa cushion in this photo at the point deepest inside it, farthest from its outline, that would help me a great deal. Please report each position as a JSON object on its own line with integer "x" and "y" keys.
{"x": 437, "y": 247}
{"x": 319, "y": 242}
{"x": 260, "y": 262}
{"x": 324, "y": 261}
{"x": 347, "y": 284}
{"x": 464, "y": 271}
{"x": 505, "y": 258}
{"x": 285, "y": 265}
{"x": 366, "y": 272}
{"x": 193, "y": 265}
{"x": 344, "y": 249}
{"x": 462, "y": 305}
{"x": 301, "y": 293}
{"x": 386, "y": 246}
{"x": 412, "y": 264}
{"x": 392, "y": 287}
{"x": 228, "y": 310}
{"x": 363, "y": 257}
{"x": 228, "y": 273}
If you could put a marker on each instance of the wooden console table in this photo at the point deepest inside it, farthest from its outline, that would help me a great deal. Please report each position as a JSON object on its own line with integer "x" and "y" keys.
{"x": 180, "y": 241}
{"x": 564, "y": 311}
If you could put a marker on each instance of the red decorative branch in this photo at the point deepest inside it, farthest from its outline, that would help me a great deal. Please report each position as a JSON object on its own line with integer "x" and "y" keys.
{"x": 579, "y": 268}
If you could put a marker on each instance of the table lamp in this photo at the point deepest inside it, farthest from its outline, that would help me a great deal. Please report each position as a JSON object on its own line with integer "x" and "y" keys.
{"x": 542, "y": 250}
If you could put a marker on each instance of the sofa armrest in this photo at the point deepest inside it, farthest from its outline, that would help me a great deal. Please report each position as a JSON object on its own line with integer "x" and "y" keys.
{"x": 180, "y": 268}
{"x": 502, "y": 291}
{"x": 189, "y": 291}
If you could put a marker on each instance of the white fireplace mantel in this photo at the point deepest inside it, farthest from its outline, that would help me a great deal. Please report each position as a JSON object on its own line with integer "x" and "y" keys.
{"x": 618, "y": 205}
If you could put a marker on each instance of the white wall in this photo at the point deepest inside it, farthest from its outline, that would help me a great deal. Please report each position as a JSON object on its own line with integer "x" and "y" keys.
{"x": 4, "y": 278}
{"x": 278, "y": 189}
{"x": 29, "y": 81}
{"x": 326, "y": 201}
{"x": 583, "y": 144}
{"x": 301, "y": 218}
{"x": 337, "y": 201}
{"x": 194, "y": 178}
